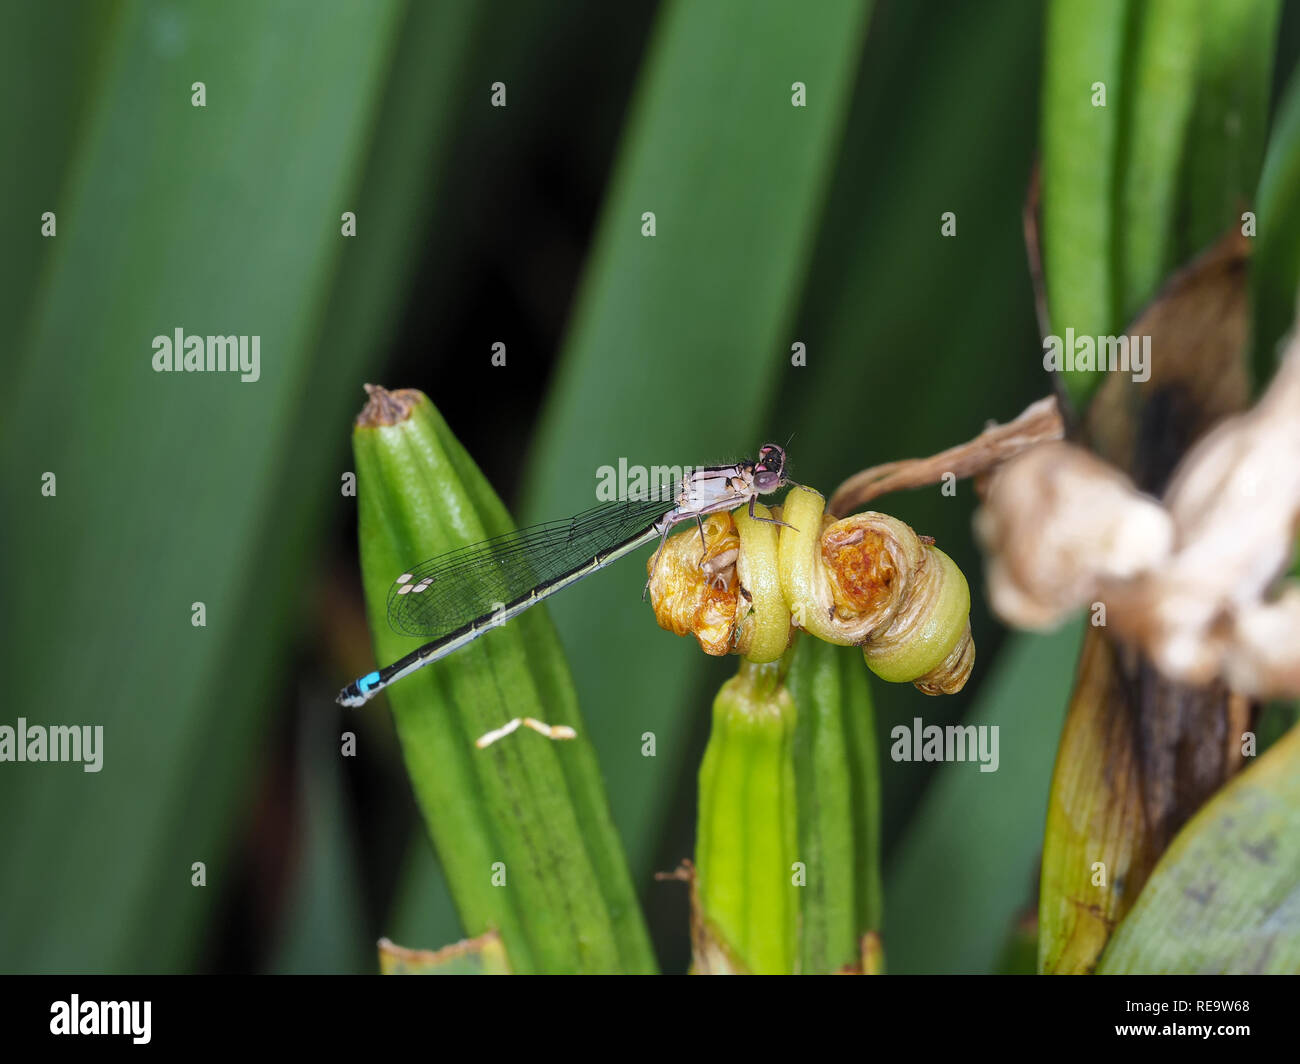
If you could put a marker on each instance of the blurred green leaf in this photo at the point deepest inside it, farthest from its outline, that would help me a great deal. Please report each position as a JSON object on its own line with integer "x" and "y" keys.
{"x": 1019, "y": 954}
{"x": 1159, "y": 88}
{"x": 1136, "y": 186}
{"x": 168, "y": 489}
{"x": 422, "y": 909}
{"x": 49, "y": 51}
{"x": 221, "y": 219}
{"x": 965, "y": 868}
{"x": 325, "y": 928}
{"x": 1276, "y": 273}
{"x": 1224, "y": 148}
{"x": 1275, "y": 720}
{"x": 1083, "y": 57}
{"x": 1224, "y": 897}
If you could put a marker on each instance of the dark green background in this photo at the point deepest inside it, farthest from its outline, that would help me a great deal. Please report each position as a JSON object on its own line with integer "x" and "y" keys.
{"x": 475, "y": 225}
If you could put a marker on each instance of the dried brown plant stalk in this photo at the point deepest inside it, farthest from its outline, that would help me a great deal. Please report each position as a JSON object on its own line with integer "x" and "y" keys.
{"x": 1038, "y": 423}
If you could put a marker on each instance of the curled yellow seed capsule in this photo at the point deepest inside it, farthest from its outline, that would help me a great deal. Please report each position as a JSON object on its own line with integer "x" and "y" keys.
{"x": 868, "y": 580}
{"x": 763, "y": 619}
{"x": 844, "y": 580}
{"x": 929, "y": 640}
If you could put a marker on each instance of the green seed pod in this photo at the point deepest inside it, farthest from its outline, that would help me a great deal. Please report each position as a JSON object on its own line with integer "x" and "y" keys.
{"x": 747, "y": 903}
{"x": 522, "y": 828}
{"x": 838, "y": 787}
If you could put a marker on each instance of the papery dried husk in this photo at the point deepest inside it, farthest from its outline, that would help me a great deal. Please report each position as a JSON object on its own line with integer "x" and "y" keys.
{"x": 1195, "y": 582}
{"x": 1058, "y": 521}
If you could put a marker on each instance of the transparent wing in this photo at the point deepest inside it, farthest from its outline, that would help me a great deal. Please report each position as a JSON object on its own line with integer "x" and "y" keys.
{"x": 446, "y": 593}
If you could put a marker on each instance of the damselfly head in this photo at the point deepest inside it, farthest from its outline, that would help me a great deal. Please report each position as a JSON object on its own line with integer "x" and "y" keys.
{"x": 769, "y": 470}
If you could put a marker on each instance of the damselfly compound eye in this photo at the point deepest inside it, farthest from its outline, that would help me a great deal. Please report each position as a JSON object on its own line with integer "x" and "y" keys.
{"x": 771, "y": 460}
{"x": 767, "y": 481}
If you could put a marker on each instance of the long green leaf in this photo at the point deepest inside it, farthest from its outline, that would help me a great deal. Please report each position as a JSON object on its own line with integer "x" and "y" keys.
{"x": 1225, "y": 896}
{"x": 1276, "y": 274}
{"x": 970, "y": 850}
{"x": 217, "y": 220}
{"x": 1136, "y": 186}
{"x": 1225, "y": 144}
{"x": 324, "y": 930}
{"x": 48, "y": 52}
{"x": 1081, "y": 137}
{"x": 1158, "y": 93}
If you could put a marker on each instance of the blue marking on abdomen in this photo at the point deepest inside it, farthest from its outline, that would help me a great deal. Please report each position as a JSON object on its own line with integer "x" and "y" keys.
{"x": 371, "y": 679}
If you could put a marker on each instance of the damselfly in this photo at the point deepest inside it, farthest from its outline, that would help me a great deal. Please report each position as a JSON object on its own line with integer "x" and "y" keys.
{"x": 456, "y": 597}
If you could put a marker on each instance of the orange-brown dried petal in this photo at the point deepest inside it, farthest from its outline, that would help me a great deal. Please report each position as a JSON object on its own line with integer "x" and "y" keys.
{"x": 694, "y": 590}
